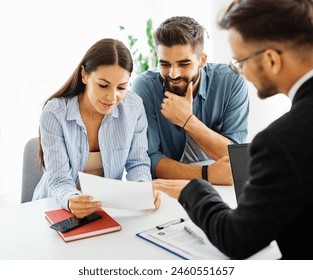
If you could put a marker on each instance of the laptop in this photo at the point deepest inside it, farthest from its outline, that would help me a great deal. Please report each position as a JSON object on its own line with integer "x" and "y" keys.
{"x": 239, "y": 158}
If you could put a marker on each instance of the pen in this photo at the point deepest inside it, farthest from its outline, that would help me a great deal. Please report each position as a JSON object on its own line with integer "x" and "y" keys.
{"x": 170, "y": 224}
{"x": 194, "y": 234}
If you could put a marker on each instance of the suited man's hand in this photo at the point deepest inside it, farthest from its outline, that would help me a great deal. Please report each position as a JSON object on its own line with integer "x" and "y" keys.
{"x": 172, "y": 188}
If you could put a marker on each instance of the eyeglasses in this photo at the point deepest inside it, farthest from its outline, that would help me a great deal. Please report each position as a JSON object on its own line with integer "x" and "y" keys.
{"x": 236, "y": 65}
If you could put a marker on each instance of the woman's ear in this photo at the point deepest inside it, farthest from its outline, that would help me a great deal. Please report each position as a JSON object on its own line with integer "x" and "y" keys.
{"x": 84, "y": 75}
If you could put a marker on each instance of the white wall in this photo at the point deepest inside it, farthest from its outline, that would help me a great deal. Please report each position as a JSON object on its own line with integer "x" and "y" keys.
{"x": 41, "y": 44}
{"x": 43, "y": 41}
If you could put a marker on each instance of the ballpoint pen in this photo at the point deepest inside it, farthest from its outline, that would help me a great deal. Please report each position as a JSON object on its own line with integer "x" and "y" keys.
{"x": 170, "y": 224}
{"x": 194, "y": 234}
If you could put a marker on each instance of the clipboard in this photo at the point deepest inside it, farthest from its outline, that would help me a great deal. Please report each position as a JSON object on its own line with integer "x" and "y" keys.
{"x": 184, "y": 239}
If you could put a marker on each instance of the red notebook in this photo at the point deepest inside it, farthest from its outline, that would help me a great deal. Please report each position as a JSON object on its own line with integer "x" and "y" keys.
{"x": 104, "y": 225}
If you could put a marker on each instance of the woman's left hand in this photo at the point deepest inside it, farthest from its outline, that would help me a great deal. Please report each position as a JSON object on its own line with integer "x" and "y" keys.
{"x": 157, "y": 200}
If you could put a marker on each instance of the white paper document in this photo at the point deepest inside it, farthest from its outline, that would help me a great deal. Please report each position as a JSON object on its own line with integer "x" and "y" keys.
{"x": 118, "y": 193}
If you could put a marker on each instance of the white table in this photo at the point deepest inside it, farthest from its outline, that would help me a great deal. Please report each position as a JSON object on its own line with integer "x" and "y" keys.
{"x": 25, "y": 233}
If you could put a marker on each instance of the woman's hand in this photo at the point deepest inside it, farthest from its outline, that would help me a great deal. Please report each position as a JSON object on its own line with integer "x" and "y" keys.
{"x": 157, "y": 200}
{"x": 83, "y": 205}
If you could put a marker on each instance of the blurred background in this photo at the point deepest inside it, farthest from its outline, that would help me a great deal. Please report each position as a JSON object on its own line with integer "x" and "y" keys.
{"x": 43, "y": 41}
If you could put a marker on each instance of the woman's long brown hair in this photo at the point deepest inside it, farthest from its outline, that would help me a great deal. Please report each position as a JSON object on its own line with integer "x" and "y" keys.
{"x": 104, "y": 52}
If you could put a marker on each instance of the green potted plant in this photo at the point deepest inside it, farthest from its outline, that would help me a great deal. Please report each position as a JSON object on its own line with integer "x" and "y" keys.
{"x": 142, "y": 61}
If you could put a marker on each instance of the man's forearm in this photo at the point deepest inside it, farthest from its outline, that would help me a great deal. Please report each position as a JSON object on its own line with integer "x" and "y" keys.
{"x": 214, "y": 145}
{"x": 219, "y": 173}
{"x": 171, "y": 169}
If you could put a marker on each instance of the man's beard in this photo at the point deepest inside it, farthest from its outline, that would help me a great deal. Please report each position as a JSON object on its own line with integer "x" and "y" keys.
{"x": 181, "y": 91}
{"x": 267, "y": 88}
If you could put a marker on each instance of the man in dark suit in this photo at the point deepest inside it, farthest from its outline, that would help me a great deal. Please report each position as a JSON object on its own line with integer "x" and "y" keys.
{"x": 272, "y": 45}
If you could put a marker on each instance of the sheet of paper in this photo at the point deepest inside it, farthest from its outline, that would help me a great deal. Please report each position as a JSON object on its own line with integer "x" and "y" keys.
{"x": 178, "y": 237}
{"x": 173, "y": 237}
{"x": 118, "y": 193}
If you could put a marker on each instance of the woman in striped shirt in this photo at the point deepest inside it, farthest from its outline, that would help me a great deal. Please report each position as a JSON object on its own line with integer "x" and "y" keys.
{"x": 93, "y": 123}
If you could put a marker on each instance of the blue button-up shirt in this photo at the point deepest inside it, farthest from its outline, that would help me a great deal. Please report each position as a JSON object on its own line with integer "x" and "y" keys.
{"x": 122, "y": 140}
{"x": 221, "y": 103}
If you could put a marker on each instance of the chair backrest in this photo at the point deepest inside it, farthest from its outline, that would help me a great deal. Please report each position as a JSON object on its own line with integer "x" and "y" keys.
{"x": 32, "y": 172}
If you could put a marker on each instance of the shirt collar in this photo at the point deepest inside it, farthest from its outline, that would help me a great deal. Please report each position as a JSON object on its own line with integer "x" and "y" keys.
{"x": 73, "y": 113}
{"x": 292, "y": 92}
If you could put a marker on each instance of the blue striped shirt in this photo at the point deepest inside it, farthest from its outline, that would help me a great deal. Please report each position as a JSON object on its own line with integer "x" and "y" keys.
{"x": 122, "y": 140}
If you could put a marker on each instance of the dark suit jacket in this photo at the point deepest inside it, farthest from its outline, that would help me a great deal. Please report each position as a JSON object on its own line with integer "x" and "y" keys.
{"x": 277, "y": 201}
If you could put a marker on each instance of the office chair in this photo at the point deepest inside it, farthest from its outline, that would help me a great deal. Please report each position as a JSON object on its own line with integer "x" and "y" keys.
{"x": 31, "y": 169}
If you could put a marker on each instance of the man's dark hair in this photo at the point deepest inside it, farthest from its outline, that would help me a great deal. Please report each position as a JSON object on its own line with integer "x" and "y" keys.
{"x": 180, "y": 31}
{"x": 271, "y": 20}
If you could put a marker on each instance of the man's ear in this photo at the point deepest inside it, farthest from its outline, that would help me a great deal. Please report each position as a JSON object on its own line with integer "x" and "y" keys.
{"x": 203, "y": 59}
{"x": 273, "y": 61}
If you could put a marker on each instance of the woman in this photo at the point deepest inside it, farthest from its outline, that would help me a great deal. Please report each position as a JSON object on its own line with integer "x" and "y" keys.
{"x": 93, "y": 123}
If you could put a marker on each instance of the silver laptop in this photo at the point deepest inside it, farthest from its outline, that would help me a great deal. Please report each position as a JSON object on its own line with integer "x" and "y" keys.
{"x": 239, "y": 158}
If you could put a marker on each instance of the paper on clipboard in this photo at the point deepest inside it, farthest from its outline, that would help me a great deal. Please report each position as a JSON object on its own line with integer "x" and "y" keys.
{"x": 118, "y": 193}
{"x": 174, "y": 238}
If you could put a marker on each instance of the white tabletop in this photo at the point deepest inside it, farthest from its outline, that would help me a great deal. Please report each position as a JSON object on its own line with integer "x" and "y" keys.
{"x": 25, "y": 233}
